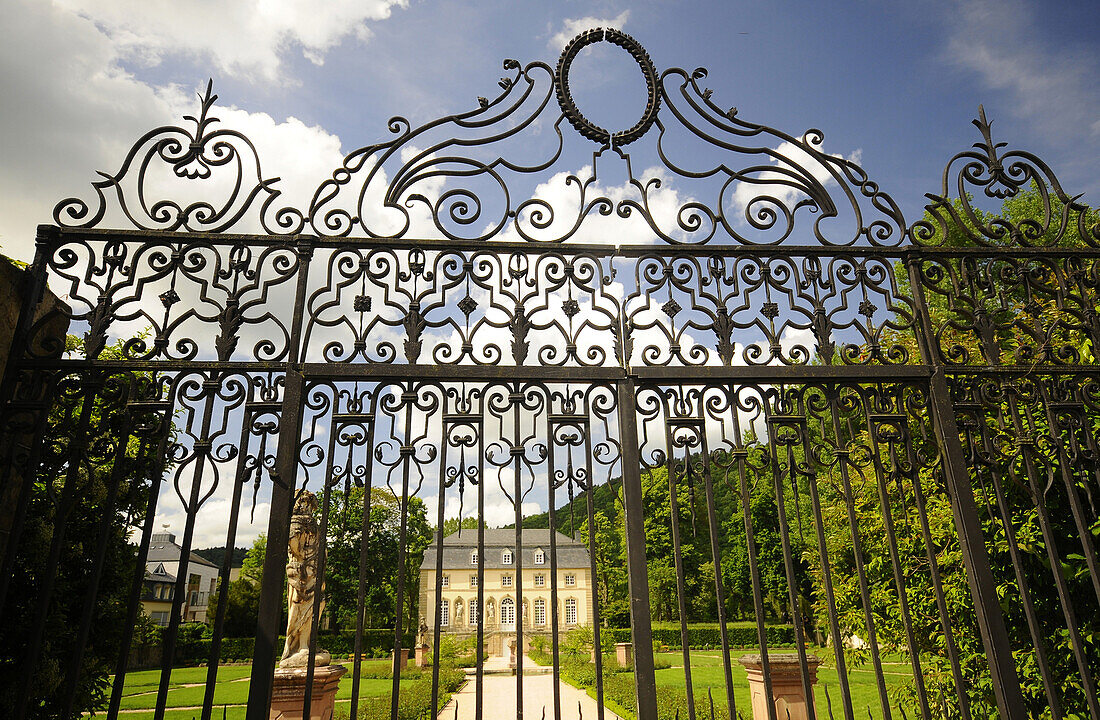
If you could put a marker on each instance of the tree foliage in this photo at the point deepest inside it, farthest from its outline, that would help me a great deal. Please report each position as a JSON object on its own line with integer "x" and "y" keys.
{"x": 89, "y": 494}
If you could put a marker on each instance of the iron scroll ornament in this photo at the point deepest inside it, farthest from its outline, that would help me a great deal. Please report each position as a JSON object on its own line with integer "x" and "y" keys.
{"x": 576, "y": 118}
{"x": 458, "y": 178}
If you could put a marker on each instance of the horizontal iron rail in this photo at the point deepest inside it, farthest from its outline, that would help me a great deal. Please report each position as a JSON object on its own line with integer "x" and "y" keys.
{"x": 53, "y": 235}
{"x": 511, "y": 373}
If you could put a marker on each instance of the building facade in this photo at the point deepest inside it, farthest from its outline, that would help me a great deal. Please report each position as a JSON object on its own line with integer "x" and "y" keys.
{"x": 162, "y": 567}
{"x": 506, "y": 610}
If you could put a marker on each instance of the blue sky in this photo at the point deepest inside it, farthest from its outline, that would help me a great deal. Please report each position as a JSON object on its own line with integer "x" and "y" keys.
{"x": 895, "y": 84}
{"x": 892, "y": 84}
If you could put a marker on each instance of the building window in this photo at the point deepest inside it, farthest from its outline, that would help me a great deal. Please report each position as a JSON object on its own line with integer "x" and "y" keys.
{"x": 540, "y": 612}
{"x": 506, "y": 581}
{"x": 473, "y": 612}
{"x": 507, "y": 612}
{"x": 473, "y": 581}
{"x": 444, "y": 613}
{"x": 570, "y": 611}
{"x": 506, "y": 557}
{"x": 570, "y": 580}
{"x": 540, "y": 580}
{"x": 160, "y": 618}
{"x": 445, "y": 580}
{"x": 540, "y": 557}
{"x": 473, "y": 558}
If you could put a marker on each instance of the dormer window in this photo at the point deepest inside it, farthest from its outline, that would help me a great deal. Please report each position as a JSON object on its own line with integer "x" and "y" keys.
{"x": 473, "y": 558}
{"x": 540, "y": 557}
{"x": 506, "y": 557}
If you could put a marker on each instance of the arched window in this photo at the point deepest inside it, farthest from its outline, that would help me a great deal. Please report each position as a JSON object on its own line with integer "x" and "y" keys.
{"x": 540, "y": 611}
{"x": 507, "y": 612}
{"x": 570, "y": 611}
{"x": 444, "y": 613}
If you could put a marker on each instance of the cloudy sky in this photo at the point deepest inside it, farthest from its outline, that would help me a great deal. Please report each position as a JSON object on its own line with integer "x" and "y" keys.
{"x": 893, "y": 84}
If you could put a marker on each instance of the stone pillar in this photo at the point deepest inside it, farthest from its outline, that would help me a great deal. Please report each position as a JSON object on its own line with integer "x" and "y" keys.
{"x": 624, "y": 654}
{"x": 422, "y": 655}
{"x": 400, "y": 660}
{"x": 788, "y": 699}
{"x": 289, "y": 692}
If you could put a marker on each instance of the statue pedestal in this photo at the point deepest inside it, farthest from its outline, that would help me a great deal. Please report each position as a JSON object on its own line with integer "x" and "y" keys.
{"x": 289, "y": 693}
{"x": 422, "y": 655}
{"x": 624, "y": 654}
{"x": 788, "y": 697}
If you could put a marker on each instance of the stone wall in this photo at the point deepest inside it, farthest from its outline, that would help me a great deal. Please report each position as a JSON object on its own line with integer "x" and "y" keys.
{"x": 16, "y": 284}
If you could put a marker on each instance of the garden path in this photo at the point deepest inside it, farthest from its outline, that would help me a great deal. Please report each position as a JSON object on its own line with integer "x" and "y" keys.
{"x": 499, "y": 698}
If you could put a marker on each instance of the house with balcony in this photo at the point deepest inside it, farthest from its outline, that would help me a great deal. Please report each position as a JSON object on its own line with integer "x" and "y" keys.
{"x": 162, "y": 570}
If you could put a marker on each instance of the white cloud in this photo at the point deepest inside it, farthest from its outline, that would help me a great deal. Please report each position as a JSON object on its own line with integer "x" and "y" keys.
{"x": 791, "y": 158}
{"x": 246, "y": 37}
{"x": 1050, "y": 83}
{"x": 564, "y": 198}
{"x": 574, "y": 26}
{"x": 75, "y": 110}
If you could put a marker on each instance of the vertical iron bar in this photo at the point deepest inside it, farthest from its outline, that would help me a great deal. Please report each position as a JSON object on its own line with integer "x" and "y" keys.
{"x": 641, "y": 632}
{"x": 444, "y": 444}
{"x": 223, "y": 575}
{"x": 788, "y": 557}
{"x": 678, "y": 558}
{"x": 551, "y": 501}
{"x": 1002, "y": 667}
{"x": 1022, "y": 584}
{"x": 517, "y": 558}
{"x": 93, "y": 382}
{"x": 210, "y": 387}
{"x": 716, "y": 558}
{"x": 282, "y": 504}
{"x": 108, "y": 507}
{"x": 134, "y": 606}
{"x": 407, "y": 450}
{"x": 751, "y": 552}
{"x": 364, "y": 554}
{"x": 32, "y": 292}
{"x": 270, "y": 613}
{"x": 597, "y": 640}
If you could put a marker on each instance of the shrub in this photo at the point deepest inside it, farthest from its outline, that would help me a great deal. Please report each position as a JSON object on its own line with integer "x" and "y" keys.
{"x": 414, "y": 700}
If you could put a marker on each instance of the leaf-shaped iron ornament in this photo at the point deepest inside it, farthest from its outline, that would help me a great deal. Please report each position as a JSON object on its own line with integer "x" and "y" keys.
{"x": 458, "y": 177}
{"x": 223, "y": 161}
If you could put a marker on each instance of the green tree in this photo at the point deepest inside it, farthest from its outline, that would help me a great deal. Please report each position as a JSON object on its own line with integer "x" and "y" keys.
{"x": 345, "y": 532}
{"x": 89, "y": 493}
{"x": 610, "y": 553}
{"x": 243, "y": 603}
{"x": 985, "y": 309}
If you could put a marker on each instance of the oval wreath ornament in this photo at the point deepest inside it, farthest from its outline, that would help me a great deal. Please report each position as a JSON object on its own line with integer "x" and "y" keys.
{"x": 565, "y": 99}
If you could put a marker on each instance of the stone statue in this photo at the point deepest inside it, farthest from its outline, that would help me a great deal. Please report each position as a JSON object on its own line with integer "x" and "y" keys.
{"x": 422, "y": 635}
{"x": 301, "y": 574}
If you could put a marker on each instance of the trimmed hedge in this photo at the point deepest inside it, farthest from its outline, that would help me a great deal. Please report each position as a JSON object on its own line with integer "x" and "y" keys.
{"x": 376, "y": 642}
{"x": 414, "y": 701}
{"x": 707, "y": 636}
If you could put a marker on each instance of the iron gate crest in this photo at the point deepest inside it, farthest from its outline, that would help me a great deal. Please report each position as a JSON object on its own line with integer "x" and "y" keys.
{"x": 909, "y": 407}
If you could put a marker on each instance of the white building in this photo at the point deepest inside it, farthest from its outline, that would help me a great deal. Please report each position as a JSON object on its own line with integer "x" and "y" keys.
{"x": 161, "y": 572}
{"x": 458, "y": 612}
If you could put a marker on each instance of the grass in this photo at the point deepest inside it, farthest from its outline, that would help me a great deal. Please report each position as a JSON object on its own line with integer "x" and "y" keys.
{"x": 707, "y": 673}
{"x": 187, "y": 689}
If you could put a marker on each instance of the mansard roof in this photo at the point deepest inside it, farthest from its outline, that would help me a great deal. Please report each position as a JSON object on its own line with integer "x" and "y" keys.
{"x": 457, "y": 548}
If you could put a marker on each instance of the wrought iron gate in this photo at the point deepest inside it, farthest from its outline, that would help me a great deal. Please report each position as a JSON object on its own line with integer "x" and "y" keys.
{"x": 915, "y": 404}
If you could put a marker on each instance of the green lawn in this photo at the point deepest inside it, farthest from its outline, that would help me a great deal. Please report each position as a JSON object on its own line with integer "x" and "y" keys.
{"x": 187, "y": 689}
{"x": 707, "y": 674}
